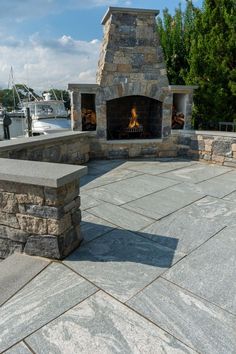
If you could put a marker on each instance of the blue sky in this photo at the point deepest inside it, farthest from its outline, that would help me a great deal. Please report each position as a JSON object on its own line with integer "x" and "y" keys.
{"x": 50, "y": 43}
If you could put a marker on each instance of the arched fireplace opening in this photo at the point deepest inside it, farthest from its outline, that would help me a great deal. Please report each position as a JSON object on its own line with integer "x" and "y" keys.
{"x": 134, "y": 117}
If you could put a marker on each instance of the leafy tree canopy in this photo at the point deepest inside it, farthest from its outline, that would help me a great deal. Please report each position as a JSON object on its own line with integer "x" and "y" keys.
{"x": 213, "y": 61}
{"x": 175, "y": 35}
{"x": 200, "y": 49}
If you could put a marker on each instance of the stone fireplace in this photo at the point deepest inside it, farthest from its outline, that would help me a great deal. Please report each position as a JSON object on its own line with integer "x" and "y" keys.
{"x": 131, "y": 71}
{"x": 132, "y": 99}
{"x": 133, "y": 117}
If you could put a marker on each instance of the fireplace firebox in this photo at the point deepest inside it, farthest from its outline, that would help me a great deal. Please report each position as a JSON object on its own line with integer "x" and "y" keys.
{"x": 134, "y": 117}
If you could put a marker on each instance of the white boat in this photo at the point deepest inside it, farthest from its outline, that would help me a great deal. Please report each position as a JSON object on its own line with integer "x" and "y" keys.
{"x": 48, "y": 115}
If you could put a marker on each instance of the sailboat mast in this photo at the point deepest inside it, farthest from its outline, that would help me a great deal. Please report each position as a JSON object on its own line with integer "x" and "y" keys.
{"x": 14, "y": 89}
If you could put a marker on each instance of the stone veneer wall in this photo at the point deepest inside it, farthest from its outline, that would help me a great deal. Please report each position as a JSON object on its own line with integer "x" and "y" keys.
{"x": 41, "y": 216}
{"x": 67, "y": 147}
{"x": 210, "y": 146}
{"x": 133, "y": 149}
{"x": 79, "y": 147}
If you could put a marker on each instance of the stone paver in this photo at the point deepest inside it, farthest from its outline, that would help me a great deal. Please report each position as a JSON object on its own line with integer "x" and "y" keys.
{"x": 192, "y": 225}
{"x": 20, "y": 348}
{"x": 107, "y": 178}
{"x": 93, "y": 227}
{"x": 166, "y": 201}
{"x": 197, "y": 323}
{"x": 127, "y": 219}
{"x": 159, "y": 252}
{"x": 130, "y": 189}
{"x": 197, "y": 173}
{"x": 16, "y": 271}
{"x": 210, "y": 271}
{"x": 219, "y": 186}
{"x": 156, "y": 166}
{"x": 88, "y": 202}
{"x": 54, "y": 291}
{"x": 122, "y": 331}
{"x": 121, "y": 262}
{"x": 231, "y": 197}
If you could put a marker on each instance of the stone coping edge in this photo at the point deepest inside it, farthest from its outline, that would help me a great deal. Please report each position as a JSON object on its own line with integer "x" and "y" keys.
{"x": 20, "y": 143}
{"x": 222, "y": 134}
{"x": 39, "y": 173}
{"x": 182, "y": 88}
{"x": 112, "y": 9}
{"x": 72, "y": 87}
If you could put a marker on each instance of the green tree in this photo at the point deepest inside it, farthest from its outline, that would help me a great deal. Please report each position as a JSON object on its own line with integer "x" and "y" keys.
{"x": 10, "y": 98}
{"x": 212, "y": 62}
{"x": 175, "y": 36}
{"x": 6, "y": 98}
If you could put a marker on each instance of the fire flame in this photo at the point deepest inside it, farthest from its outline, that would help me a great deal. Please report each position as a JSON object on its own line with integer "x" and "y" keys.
{"x": 133, "y": 123}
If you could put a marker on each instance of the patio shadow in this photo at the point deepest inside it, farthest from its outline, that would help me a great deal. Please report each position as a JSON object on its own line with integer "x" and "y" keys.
{"x": 103, "y": 243}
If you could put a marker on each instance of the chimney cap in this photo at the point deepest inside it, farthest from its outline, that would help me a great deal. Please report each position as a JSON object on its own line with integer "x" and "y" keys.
{"x": 128, "y": 10}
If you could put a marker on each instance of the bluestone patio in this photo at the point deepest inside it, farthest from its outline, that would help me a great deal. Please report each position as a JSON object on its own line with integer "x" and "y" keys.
{"x": 155, "y": 273}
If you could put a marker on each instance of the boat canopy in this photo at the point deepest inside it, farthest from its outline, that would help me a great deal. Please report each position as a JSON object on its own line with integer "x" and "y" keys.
{"x": 47, "y": 109}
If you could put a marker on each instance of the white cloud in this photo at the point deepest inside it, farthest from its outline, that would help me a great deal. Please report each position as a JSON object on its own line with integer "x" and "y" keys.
{"x": 42, "y": 64}
{"x": 18, "y": 11}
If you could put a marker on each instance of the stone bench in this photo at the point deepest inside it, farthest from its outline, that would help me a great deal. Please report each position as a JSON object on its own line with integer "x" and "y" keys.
{"x": 39, "y": 208}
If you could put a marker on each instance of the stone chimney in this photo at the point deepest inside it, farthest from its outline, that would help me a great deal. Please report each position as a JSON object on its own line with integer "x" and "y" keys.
{"x": 131, "y": 52}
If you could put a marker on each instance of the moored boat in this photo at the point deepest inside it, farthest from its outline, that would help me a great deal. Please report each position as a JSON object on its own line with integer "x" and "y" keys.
{"x": 48, "y": 115}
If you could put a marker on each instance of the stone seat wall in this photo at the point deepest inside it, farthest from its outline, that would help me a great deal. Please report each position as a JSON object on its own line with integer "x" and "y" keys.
{"x": 210, "y": 146}
{"x": 39, "y": 208}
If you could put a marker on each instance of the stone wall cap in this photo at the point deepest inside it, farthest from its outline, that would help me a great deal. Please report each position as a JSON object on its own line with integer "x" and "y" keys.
{"x": 182, "y": 88}
{"x": 79, "y": 87}
{"x": 39, "y": 173}
{"x": 20, "y": 143}
{"x": 217, "y": 133}
{"x": 128, "y": 10}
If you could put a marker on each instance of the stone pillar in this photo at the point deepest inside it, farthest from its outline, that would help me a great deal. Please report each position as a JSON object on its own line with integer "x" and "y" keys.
{"x": 42, "y": 215}
{"x": 75, "y": 111}
{"x": 188, "y": 112}
{"x": 167, "y": 114}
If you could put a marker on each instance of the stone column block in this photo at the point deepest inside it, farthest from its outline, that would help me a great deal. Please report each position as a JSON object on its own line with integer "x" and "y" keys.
{"x": 45, "y": 223}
